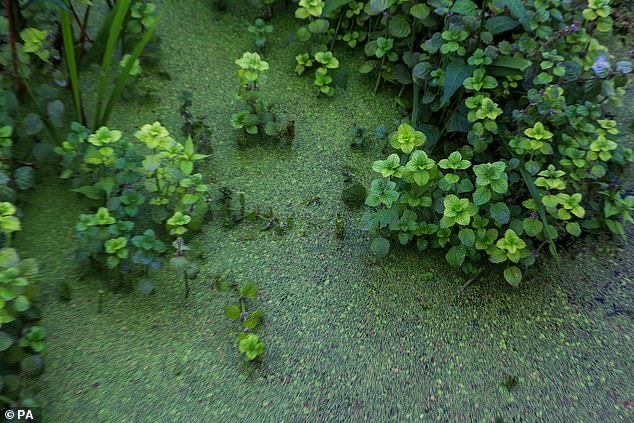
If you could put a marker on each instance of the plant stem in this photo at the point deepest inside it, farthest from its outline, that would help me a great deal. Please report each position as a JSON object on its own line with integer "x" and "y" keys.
{"x": 378, "y": 78}
{"x": 332, "y": 45}
{"x": 471, "y": 280}
{"x": 415, "y": 102}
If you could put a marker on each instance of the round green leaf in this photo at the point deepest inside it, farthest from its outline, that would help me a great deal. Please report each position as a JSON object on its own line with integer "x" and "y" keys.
{"x": 456, "y": 255}
{"x": 513, "y": 275}
{"x": 500, "y": 213}
{"x": 380, "y": 246}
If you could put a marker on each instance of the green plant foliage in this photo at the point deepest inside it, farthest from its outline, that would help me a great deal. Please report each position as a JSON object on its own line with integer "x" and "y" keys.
{"x": 195, "y": 127}
{"x": 249, "y": 342}
{"x": 257, "y": 117}
{"x": 509, "y": 192}
{"x": 147, "y": 180}
{"x": 22, "y": 341}
{"x": 260, "y": 28}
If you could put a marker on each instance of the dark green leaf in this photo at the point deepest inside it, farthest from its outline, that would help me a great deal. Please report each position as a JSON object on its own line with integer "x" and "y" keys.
{"x": 6, "y": 341}
{"x": 31, "y": 125}
{"x": 399, "y": 27}
{"x": 332, "y": 6}
{"x": 456, "y": 255}
{"x": 24, "y": 177}
{"x": 512, "y": 63}
{"x": 457, "y": 71}
{"x": 517, "y": 9}
{"x": 354, "y": 196}
{"x": 500, "y": 24}
{"x": 500, "y": 213}
{"x": 232, "y": 312}
{"x": 380, "y": 246}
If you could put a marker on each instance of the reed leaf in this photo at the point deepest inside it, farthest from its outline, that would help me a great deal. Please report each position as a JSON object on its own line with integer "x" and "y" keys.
{"x": 119, "y": 14}
{"x": 125, "y": 72}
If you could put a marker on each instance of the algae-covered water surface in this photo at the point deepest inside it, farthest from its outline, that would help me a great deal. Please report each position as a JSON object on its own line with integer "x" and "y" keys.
{"x": 348, "y": 336}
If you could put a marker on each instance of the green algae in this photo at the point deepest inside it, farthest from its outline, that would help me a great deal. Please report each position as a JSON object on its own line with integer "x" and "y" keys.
{"x": 348, "y": 336}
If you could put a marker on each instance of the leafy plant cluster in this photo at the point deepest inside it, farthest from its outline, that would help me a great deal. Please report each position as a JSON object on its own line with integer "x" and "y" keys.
{"x": 257, "y": 116}
{"x": 195, "y": 127}
{"x": 148, "y": 193}
{"x": 22, "y": 344}
{"x": 504, "y": 211}
{"x": 361, "y": 136}
{"x": 241, "y": 309}
{"x": 47, "y": 44}
{"x": 317, "y": 30}
{"x": 22, "y": 340}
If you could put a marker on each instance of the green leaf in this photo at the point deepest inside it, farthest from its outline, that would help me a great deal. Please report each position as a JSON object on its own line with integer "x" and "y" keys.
{"x": 318, "y": 26}
{"x": 332, "y": 6}
{"x": 512, "y": 63}
{"x": 249, "y": 289}
{"x": 378, "y": 6}
{"x": 500, "y": 213}
{"x": 125, "y": 72}
{"x": 380, "y": 246}
{"x": 467, "y": 237}
{"x": 8, "y": 257}
{"x": 6, "y": 341}
{"x": 513, "y": 275}
{"x": 354, "y": 196}
{"x": 90, "y": 191}
{"x": 456, "y": 255}
{"x": 457, "y": 71}
{"x": 500, "y": 24}
{"x": 368, "y": 66}
{"x": 399, "y": 27}
{"x": 532, "y": 226}
{"x": 31, "y": 125}
{"x": 419, "y": 11}
{"x": 481, "y": 196}
{"x": 21, "y": 303}
{"x": 464, "y": 7}
{"x": 24, "y": 177}
{"x": 369, "y": 221}
{"x": 573, "y": 228}
{"x": 517, "y": 9}
{"x": 232, "y": 312}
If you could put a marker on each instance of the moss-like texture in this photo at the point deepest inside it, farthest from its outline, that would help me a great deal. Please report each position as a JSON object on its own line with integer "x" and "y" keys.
{"x": 348, "y": 337}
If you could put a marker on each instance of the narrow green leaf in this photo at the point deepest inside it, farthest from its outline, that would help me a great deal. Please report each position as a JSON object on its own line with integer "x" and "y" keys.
{"x": 71, "y": 60}
{"x": 517, "y": 63}
{"x": 125, "y": 72}
{"x": 500, "y": 24}
{"x": 517, "y": 9}
{"x": 119, "y": 13}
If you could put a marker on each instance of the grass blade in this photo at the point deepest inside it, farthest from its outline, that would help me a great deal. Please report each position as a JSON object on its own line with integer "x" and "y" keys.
{"x": 125, "y": 72}
{"x": 530, "y": 184}
{"x": 119, "y": 14}
{"x": 71, "y": 60}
